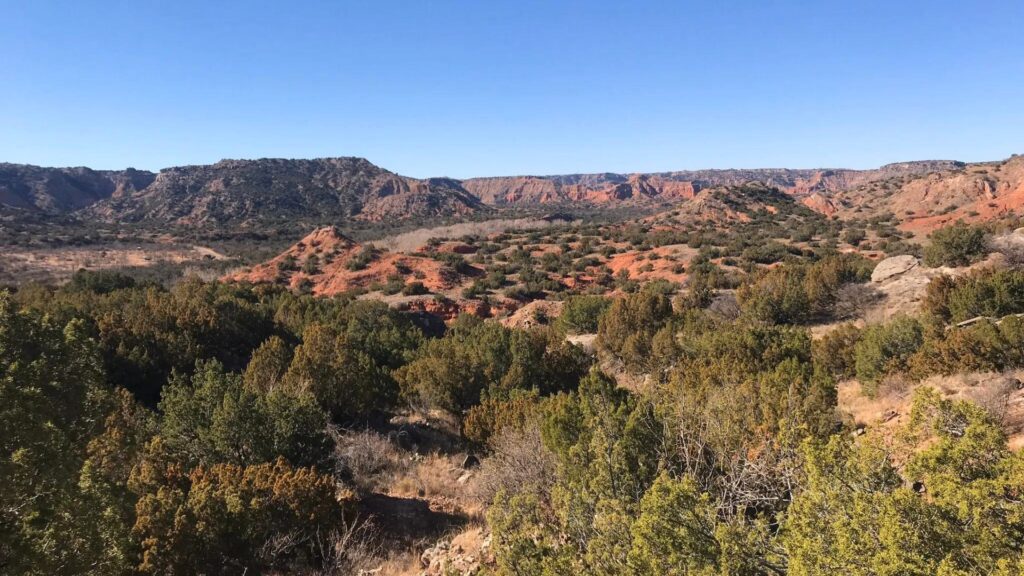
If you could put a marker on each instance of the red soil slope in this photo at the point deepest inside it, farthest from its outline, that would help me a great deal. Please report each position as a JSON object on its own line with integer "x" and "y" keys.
{"x": 333, "y": 275}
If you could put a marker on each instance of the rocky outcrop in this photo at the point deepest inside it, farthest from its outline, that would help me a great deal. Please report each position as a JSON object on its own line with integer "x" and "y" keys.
{"x": 536, "y": 313}
{"x": 819, "y": 203}
{"x": 590, "y": 188}
{"x": 893, "y": 266}
{"x": 248, "y": 192}
{"x": 924, "y": 202}
{"x": 901, "y": 284}
{"x": 62, "y": 190}
{"x": 977, "y": 192}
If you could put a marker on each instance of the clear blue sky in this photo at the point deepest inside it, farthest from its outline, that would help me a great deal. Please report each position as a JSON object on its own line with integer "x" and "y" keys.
{"x": 487, "y": 87}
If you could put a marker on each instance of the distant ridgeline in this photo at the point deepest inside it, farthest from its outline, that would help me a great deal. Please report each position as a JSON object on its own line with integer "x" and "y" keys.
{"x": 252, "y": 193}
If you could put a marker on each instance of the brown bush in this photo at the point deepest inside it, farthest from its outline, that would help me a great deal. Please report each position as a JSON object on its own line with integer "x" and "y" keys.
{"x": 519, "y": 464}
{"x": 492, "y": 416}
{"x": 1009, "y": 245}
{"x": 367, "y": 460}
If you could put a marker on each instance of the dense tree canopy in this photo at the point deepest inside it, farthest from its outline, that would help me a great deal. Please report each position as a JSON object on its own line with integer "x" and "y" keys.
{"x": 52, "y": 398}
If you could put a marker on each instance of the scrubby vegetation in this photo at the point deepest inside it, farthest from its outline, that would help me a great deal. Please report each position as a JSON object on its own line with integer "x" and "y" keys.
{"x": 990, "y": 292}
{"x": 734, "y": 461}
{"x": 581, "y": 314}
{"x": 801, "y": 293}
{"x": 957, "y": 245}
{"x": 216, "y": 428}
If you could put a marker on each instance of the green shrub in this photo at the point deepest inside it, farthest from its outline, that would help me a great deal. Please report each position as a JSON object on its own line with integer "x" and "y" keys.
{"x": 885, "y": 349}
{"x": 415, "y": 289}
{"x": 51, "y": 385}
{"x": 958, "y": 245}
{"x": 990, "y": 292}
{"x": 222, "y": 517}
{"x": 981, "y": 347}
{"x": 797, "y": 293}
{"x": 211, "y": 417}
{"x": 854, "y": 236}
{"x": 287, "y": 263}
{"x": 493, "y": 415}
{"x": 362, "y": 259}
{"x": 859, "y": 515}
{"x": 345, "y": 380}
{"x": 394, "y": 285}
{"x": 628, "y": 326}
{"x": 456, "y": 261}
{"x": 580, "y": 314}
{"x": 768, "y": 253}
{"x": 311, "y": 265}
{"x": 100, "y": 282}
{"x": 835, "y": 352}
{"x": 777, "y": 296}
{"x": 477, "y": 359}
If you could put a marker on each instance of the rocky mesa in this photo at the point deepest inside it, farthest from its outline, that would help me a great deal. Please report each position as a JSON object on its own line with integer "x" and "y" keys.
{"x": 254, "y": 191}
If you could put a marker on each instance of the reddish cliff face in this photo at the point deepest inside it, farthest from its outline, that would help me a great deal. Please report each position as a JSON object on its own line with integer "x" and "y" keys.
{"x": 819, "y": 203}
{"x": 400, "y": 198}
{"x": 515, "y": 190}
{"x": 329, "y": 263}
{"x": 969, "y": 192}
{"x": 596, "y": 189}
{"x": 610, "y": 188}
{"x": 641, "y": 186}
{"x": 664, "y": 188}
{"x": 256, "y": 194}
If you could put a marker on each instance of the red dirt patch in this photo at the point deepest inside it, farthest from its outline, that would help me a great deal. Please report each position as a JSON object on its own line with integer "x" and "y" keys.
{"x": 671, "y": 259}
{"x": 333, "y": 275}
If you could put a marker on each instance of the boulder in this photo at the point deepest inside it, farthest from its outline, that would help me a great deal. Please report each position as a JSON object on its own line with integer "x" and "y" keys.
{"x": 893, "y": 266}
